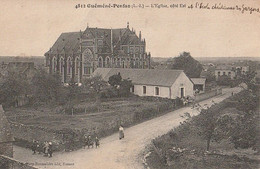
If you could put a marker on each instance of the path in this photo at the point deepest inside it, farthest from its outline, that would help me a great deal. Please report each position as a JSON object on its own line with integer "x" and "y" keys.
{"x": 115, "y": 153}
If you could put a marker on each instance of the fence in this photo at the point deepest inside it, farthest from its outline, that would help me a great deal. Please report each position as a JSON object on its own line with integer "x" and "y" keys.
{"x": 207, "y": 95}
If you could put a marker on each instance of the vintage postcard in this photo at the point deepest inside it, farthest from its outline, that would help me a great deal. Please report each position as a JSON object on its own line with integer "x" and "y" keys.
{"x": 129, "y": 84}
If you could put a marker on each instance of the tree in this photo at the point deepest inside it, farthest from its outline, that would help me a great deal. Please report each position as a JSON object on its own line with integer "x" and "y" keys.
{"x": 209, "y": 124}
{"x": 245, "y": 131}
{"x": 224, "y": 80}
{"x": 14, "y": 85}
{"x": 47, "y": 87}
{"x": 185, "y": 62}
{"x": 115, "y": 80}
{"x": 124, "y": 89}
{"x": 122, "y": 86}
{"x": 94, "y": 85}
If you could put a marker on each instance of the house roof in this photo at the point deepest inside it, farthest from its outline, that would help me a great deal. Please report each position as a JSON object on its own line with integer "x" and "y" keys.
{"x": 198, "y": 80}
{"x": 152, "y": 77}
{"x": 5, "y": 130}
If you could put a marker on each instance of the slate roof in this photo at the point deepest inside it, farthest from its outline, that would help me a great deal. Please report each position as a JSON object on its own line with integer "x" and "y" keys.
{"x": 5, "y": 130}
{"x": 152, "y": 77}
{"x": 200, "y": 81}
{"x": 69, "y": 42}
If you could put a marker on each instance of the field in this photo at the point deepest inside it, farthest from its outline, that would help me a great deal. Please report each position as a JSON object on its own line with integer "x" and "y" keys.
{"x": 91, "y": 118}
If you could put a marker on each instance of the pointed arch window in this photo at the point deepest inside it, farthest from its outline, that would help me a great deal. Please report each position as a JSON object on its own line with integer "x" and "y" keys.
{"x": 137, "y": 63}
{"x": 69, "y": 66}
{"x": 61, "y": 65}
{"x": 77, "y": 65}
{"x": 54, "y": 64}
{"x": 100, "y": 62}
{"x": 87, "y": 62}
{"x": 107, "y": 61}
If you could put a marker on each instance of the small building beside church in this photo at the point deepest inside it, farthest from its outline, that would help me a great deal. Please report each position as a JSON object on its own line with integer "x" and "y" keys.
{"x": 153, "y": 82}
{"x": 199, "y": 84}
{"x": 76, "y": 55}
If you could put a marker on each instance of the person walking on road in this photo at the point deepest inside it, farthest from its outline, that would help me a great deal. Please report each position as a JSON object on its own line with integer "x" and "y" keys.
{"x": 46, "y": 148}
{"x": 97, "y": 142}
{"x": 50, "y": 149}
{"x": 34, "y": 146}
{"x": 121, "y": 132}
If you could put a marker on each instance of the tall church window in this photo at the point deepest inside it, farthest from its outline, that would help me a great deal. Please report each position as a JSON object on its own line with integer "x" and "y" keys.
{"x": 134, "y": 64}
{"x": 137, "y": 63}
{"x": 54, "y": 64}
{"x": 87, "y": 61}
{"x": 107, "y": 61}
{"x": 104, "y": 63}
{"x": 77, "y": 65}
{"x": 100, "y": 62}
{"x": 69, "y": 65}
{"x": 61, "y": 65}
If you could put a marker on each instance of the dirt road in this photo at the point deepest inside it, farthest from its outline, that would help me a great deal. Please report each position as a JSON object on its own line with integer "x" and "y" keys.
{"x": 115, "y": 153}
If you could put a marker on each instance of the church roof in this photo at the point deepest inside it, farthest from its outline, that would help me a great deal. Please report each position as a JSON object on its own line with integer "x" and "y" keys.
{"x": 152, "y": 77}
{"x": 5, "y": 130}
{"x": 69, "y": 42}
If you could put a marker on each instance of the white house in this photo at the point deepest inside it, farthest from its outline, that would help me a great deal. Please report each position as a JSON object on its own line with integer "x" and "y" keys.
{"x": 225, "y": 71}
{"x": 153, "y": 82}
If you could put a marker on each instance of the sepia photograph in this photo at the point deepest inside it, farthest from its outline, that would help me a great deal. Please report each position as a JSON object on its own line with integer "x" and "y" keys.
{"x": 129, "y": 84}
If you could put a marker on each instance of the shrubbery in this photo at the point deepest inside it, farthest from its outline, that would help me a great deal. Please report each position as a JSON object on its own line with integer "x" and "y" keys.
{"x": 241, "y": 128}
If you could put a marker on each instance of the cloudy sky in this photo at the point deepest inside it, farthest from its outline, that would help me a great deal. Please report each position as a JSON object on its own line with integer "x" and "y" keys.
{"x": 30, "y": 27}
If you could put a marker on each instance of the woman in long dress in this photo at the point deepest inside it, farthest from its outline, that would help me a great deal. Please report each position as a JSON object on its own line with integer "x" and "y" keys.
{"x": 121, "y": 132}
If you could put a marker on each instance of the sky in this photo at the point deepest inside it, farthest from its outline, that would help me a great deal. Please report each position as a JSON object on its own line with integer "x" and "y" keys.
{"x": 31, "y": 27}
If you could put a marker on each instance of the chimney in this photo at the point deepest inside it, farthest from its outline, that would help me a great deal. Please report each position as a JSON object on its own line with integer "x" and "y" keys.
{"x": 140, "y": 35}
{"x": 127, "y": 25}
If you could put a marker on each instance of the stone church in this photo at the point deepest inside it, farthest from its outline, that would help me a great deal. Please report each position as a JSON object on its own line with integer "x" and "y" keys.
{"x": 76, "y": 55}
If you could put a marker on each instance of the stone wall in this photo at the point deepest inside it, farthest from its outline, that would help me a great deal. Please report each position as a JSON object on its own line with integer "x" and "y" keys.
{"x": 6, "y": 149}
{"x": 10, "y": 163}
{"x": 208, "y": 94}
